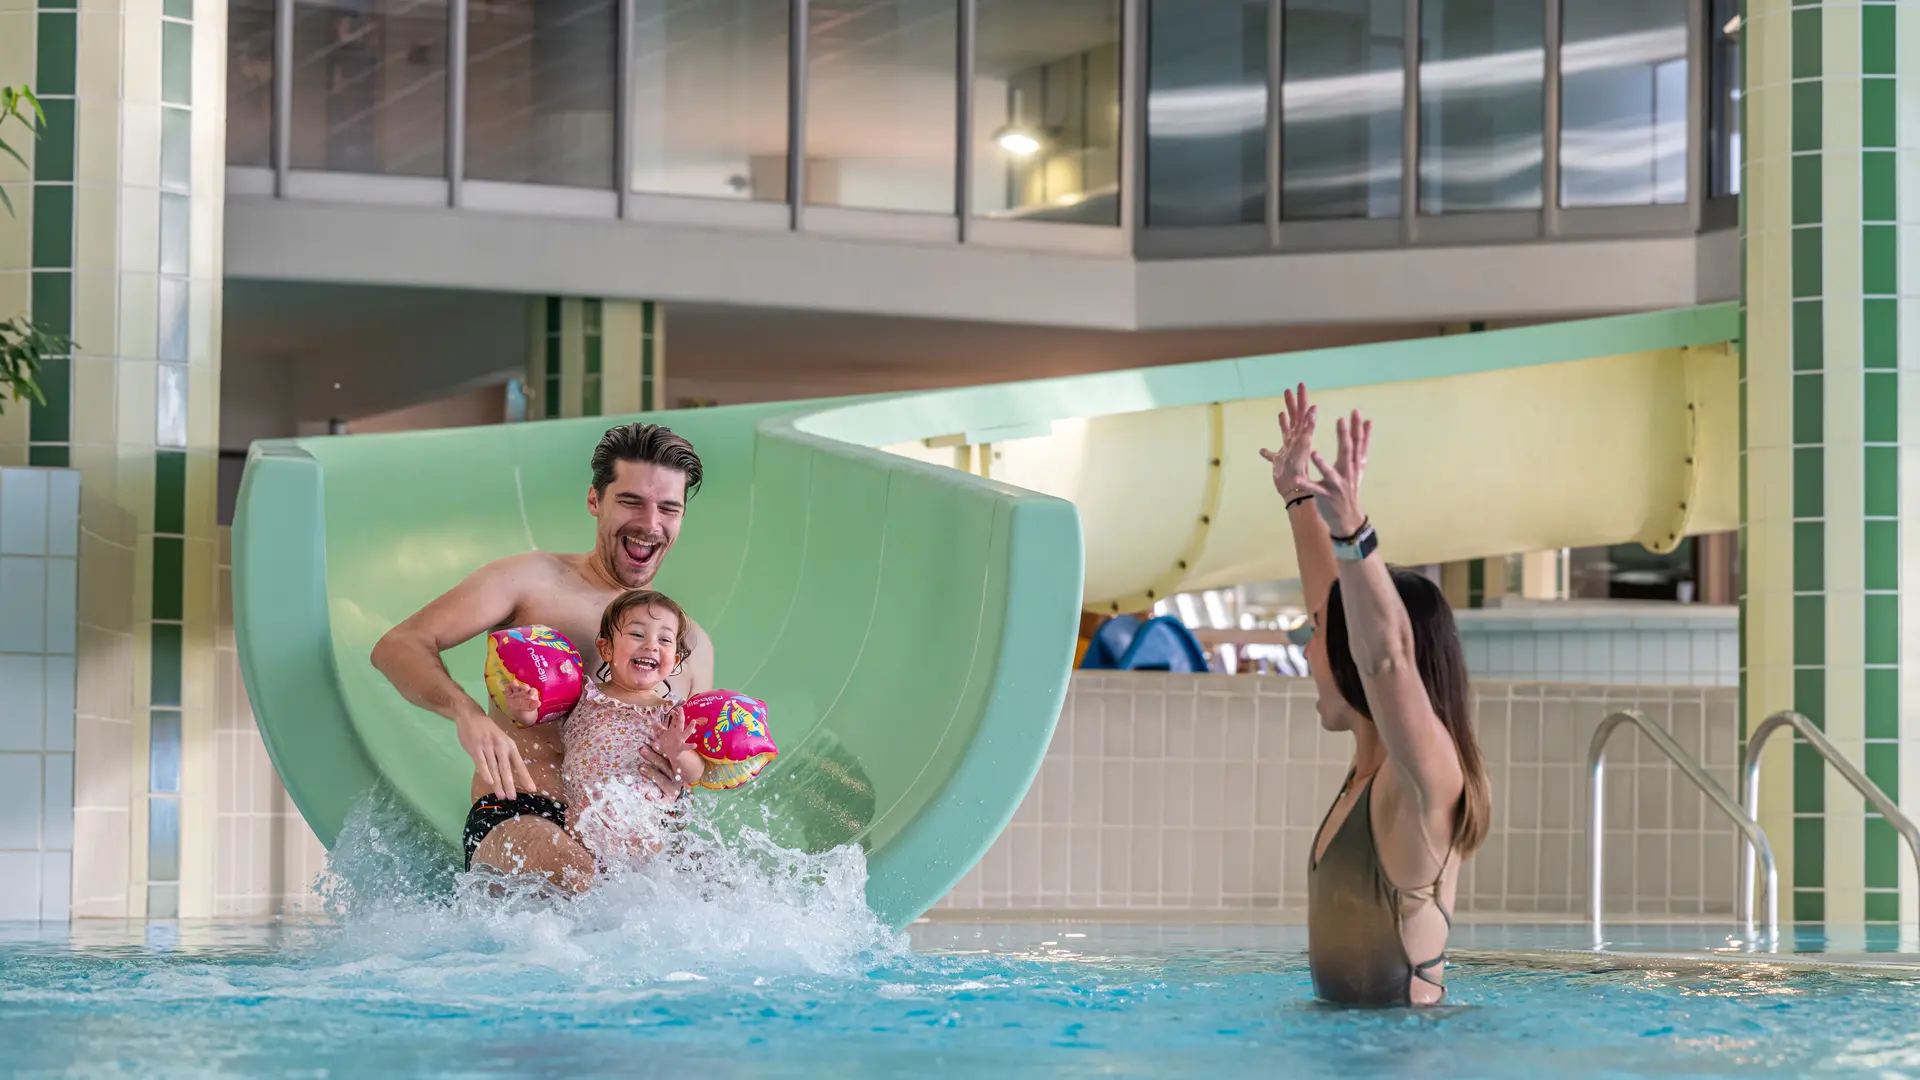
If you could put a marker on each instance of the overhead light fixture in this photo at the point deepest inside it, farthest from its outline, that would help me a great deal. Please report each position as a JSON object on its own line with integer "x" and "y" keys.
{"x": 1733, "y": 26}
{"x": 1015, "y": 137}
{"x": 1017, "y": 142}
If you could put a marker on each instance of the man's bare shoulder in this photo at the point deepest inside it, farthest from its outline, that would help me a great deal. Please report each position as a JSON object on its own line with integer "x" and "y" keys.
{"x": 516, "y": 579}
{"x": 534, "y": 567}
{"x": 489, "y": 597}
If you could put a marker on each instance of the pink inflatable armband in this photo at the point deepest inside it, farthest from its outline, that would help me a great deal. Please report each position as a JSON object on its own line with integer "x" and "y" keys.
{"x": 730, "y": 734}
{"x": 536, "y": 656}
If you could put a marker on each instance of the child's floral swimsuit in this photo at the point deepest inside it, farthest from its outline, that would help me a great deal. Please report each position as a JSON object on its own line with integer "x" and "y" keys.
{"x": 603, "y": 739}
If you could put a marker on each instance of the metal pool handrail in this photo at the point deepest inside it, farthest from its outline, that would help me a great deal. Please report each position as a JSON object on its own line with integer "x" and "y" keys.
{"x": 1689, "y": 768}
{"x": 1818, "y": 740}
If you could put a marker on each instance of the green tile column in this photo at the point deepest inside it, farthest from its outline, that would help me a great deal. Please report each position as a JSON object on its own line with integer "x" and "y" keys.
{"x": 1832, "y": 200}
{"x": 118, "y": 245}
{"x": 37, "y": 257}
{"x": 594, "y": 357}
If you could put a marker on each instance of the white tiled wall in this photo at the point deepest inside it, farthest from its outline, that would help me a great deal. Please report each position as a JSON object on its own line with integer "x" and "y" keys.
{"x": 1180, "y": 792}
{"x": 39, "y": 534}
{"x": 1630, "y": 644}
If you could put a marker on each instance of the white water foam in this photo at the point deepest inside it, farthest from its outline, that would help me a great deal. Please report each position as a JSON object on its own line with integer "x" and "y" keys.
{"x": 717, "y": 903}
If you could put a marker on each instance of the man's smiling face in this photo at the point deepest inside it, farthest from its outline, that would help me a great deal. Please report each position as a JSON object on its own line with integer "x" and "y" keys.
{"x": 638, "y": 519}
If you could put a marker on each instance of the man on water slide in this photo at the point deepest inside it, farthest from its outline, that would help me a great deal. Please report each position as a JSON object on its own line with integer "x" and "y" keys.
{"x": 643, "y": 475}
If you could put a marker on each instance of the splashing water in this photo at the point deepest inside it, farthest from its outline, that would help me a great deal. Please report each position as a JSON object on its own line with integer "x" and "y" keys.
{"x": 728, "y": 955}
{"x": 385, "y": 858}
{"x": 712, "y": 903}
{"x": 755, "y": 962}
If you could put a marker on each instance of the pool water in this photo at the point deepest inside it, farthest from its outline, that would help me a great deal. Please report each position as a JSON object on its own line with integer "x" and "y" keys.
{"x": 762, "y": 963}
{"x": 1033, "y": 999}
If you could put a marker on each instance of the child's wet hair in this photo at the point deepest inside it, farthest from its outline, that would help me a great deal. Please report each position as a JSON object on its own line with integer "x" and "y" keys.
{"x": 649, "y": 599}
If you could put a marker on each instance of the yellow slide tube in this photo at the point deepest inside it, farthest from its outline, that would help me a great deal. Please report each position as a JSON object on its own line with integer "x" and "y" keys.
{"x": 1638, "y": 446}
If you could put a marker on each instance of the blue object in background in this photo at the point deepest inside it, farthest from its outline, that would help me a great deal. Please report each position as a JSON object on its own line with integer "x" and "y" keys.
{"x": 1110, "y": 643}
{"x": 1124, "y": 643}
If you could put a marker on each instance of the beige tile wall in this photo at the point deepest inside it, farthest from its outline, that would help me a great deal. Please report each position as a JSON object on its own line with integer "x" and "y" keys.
{"x": 1203, "y": 793}
{"x": 104, "y": 833}
{"x": 1179, "y": 792}
{"x": 265, "y": 858}
{"x": 1632, "y": 643}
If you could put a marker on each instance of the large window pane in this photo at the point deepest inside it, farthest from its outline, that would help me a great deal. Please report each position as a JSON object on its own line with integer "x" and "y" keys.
{"x": 1482, "y": 67}
{"x": 881, "y": 104}
{"x": 1046, "y": 102}
{"x": 250, "y": 82}
{"x": 370, "y": 86}
{"x": 1623, "y": 102}
{"x": 1723, "y": 97}
{"x": 710, "y": 98}
{"x": 1341, "y": 108}
{"x": 540, "y": 90}
{"x": 1207, "y": 112}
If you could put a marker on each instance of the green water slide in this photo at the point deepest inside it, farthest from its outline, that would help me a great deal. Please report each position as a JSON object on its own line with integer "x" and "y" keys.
{"x": 910, "y": 619}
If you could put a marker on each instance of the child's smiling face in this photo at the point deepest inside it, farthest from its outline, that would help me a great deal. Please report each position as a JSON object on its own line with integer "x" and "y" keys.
{"x": 644, "y": 650}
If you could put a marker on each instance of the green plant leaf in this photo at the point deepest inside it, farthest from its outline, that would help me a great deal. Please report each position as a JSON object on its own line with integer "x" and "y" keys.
{"x": 24, "y": 346}
{"x": 11, "y": 98}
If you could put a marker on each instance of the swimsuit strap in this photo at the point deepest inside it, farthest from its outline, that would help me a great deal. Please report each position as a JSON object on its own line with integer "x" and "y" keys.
{"x": 1420, "y": 971}
{"x": 1431, "y": 893}
{"x": 1321, "y": 840}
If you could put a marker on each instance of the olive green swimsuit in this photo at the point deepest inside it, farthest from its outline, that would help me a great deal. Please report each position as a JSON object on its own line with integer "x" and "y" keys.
{"x": 1355, "y": 950}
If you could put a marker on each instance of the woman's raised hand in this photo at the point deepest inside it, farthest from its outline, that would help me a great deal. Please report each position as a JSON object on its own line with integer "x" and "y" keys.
{"x": 1337, "y": 493}
{"x": 1296, "y": 445}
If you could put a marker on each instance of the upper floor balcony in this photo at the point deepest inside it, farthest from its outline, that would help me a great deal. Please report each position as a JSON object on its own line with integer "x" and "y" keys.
{"x": 1114, "y": 163}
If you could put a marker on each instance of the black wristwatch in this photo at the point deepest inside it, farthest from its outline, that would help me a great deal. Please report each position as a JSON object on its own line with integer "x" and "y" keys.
{"x": 1358, "y": 546}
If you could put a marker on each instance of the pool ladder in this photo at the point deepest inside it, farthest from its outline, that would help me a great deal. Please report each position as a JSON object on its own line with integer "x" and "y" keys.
{"x": 1745, "y": 817}
{"x": 1818, "y": 740}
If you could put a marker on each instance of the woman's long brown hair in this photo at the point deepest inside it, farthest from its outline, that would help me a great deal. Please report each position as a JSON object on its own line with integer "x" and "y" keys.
{"x": 1443, "y": 669}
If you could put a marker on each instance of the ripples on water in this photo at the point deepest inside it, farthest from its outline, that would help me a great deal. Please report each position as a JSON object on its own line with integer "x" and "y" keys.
{"x": 740, "y": 959}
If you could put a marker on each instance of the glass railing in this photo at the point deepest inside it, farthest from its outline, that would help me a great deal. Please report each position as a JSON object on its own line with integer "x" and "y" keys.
{"x": 1241, "y": 125}
{"x": 1377, "y": 123}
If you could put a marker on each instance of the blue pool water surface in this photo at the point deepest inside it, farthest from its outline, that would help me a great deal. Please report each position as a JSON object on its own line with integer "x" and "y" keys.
{"x": 751, "y": 961}
{"x": 550, "y": 997}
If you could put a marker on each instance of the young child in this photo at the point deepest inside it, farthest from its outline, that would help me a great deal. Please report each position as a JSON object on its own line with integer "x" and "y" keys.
{"x": 622, "y": 712}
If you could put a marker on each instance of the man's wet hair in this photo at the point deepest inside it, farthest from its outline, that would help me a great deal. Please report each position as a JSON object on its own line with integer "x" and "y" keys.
{"x": 648, "y": 444}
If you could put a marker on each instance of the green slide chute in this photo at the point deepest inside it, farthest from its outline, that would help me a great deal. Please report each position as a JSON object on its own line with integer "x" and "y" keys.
{"x": 911, "y": 626}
